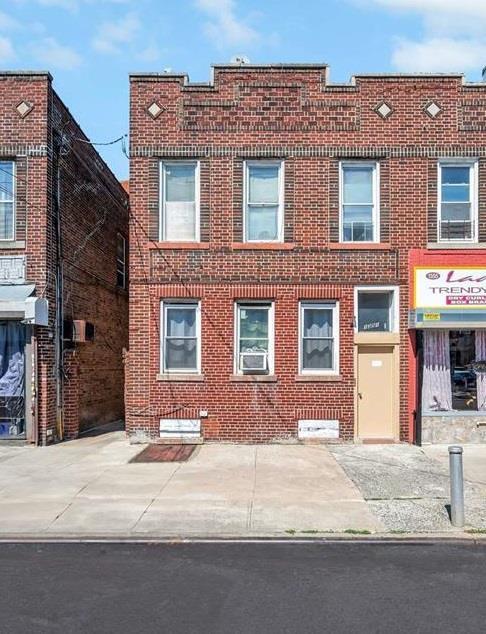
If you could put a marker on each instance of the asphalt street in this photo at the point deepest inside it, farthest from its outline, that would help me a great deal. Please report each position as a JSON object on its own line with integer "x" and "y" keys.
{"x": 242, "y": 587}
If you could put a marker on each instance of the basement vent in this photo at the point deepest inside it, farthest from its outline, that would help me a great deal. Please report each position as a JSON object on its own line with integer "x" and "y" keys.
{"x": 318, "y": 429}
{"x": 180, "y": 428}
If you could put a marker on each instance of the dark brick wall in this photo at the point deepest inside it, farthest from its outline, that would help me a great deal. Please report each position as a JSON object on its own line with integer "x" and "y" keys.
{"x": 93, "y": 210}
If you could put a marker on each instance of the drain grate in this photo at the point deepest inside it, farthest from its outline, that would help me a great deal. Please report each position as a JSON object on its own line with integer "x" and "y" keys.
{"x": 165, "y": 453}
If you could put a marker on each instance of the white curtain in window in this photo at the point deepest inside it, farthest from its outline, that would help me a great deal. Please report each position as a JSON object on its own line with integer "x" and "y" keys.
{"x": 481, "y": 376}
{"x": 436, "y": 385}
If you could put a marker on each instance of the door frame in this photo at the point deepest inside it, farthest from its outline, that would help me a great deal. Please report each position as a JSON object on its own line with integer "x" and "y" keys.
{"x": 385, "y": 340}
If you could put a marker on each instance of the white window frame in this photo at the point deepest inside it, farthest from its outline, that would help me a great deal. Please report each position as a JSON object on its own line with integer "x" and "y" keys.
{"x": 472, "y": 164}
{"x": 179, "y": 303}
{"x": 162, "y": 202}
{"x": 271, "y": 333}
{"x": 121, "y": 264}
{"x": 394, "y": 308}
{"x": 281, "y": 202}
{"x": 334, "y": 305}
{"x": 13, "y": 165}
{"x": 375, "y": 165}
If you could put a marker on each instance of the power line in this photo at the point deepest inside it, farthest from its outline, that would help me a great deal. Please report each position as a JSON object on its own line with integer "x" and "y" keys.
{"x": 120, "y": 138}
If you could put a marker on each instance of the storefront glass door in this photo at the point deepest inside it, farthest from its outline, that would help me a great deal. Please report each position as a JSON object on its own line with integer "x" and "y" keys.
{"x": 12, "y": 379}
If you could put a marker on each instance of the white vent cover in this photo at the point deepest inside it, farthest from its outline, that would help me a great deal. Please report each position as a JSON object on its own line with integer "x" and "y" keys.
{"x": 180, "y": 428}
{"x": 311, "y": 428}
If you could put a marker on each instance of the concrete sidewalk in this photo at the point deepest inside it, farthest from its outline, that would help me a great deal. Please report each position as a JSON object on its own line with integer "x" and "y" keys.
{"x": 88, "y": 488}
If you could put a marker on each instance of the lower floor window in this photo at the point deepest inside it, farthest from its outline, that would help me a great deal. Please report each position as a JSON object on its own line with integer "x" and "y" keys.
{"x": 181, "y": 337}
{"x": 254, "y": 338}
{"x": 453, "y": 376}
{"x": 318, "y": 340}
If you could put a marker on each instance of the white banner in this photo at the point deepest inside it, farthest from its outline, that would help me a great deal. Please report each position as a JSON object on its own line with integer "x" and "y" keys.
{"x": 449, "y": 287}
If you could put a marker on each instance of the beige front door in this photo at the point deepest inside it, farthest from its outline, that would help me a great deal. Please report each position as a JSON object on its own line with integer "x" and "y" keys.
{"x": 376, "y": 392}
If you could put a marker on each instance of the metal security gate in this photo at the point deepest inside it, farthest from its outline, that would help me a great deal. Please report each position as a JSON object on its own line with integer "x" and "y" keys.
{"x": 12, "y": 379}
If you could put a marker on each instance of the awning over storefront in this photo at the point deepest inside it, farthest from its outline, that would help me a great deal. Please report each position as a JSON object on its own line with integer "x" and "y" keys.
{"x": 17, "y": 302}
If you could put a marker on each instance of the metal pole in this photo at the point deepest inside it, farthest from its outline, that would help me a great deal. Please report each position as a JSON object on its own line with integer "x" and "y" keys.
{"x": 457, "y": 486}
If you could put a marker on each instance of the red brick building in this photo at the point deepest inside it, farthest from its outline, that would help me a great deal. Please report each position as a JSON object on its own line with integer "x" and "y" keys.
{"x": 63, "y": 270}
{"x": 278, "y": 222}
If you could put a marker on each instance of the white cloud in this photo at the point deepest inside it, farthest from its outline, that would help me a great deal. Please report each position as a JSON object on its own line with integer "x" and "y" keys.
{"x": 150, "y": 53}
{"x": 454, "y": 38}
{"x": 55, "y": 55}
{"x": 223, "y": 28}
{"x": 6, "y": 50}
{"x": 439, "y": 55}
{"x": 111, "y": 36}
{"x": 7, "y": 23}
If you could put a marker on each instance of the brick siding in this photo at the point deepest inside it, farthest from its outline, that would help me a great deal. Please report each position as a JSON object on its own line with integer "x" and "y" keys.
{"x": 292, "y": 114}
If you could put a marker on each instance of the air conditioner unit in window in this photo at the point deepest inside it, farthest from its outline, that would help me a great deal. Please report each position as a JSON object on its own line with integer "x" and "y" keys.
{"x": 253, "y": 362}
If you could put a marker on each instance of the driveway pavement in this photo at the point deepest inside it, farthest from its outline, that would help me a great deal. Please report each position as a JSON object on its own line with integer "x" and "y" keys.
{"x": 88, "y": 487}
{"x": 407, "y": 487}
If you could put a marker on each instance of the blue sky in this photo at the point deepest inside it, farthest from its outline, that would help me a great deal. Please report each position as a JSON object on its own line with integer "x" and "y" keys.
{"x": 91, "y": 45}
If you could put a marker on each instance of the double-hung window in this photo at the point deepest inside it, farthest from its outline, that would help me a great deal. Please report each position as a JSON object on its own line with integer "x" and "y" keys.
{"x": 254, "y": 338}
{"x": 121, "y": 261}
{"x": 458, "y": 204}
{"x": 319, "y": 338}
{"x": 181, "y": 337}
{"x": 7, "y": 200}
{"x": 264, "y": 205}
{"x": 179, "y": 201}
{"x": 376, "y": 309}
{"x": 359, "y": 202}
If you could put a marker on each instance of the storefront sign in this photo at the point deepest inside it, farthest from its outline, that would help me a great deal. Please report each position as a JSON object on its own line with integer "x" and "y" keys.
{"x": 449, "y": 287}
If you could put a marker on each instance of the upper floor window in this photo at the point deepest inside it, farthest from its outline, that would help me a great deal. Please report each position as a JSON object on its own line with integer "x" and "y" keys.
{"x": 319, "y": 333}
{"x": 263, "y": 201}
{"x": 457, "y": 201}
{"x": 179, "y": 201}
{"x": 121, "y": 261}
{"x": 7, "y": 200}
{"x": 254, "y": 338}
{"x": 181, "y": 337}
{"x": 359, "y": 202}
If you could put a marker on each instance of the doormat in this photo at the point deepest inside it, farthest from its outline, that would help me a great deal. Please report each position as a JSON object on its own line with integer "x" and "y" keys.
{"x": 165, "y": 453}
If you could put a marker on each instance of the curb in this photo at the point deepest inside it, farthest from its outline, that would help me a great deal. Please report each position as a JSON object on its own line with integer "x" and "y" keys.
{"x": 381, "y": 539}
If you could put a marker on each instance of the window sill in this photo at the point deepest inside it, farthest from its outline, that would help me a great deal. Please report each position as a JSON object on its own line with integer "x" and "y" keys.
{"x": 263, "y": 246}
{"x": 178, "y": 245}
{"x": 199, "y": 378}
{"x": 253, "y": 378}
{"x": 12, "y": 244}
{"x": 444, "y": 246}
{"x": 318, "y": 378}
{"x": 458, "y": 413}
{"x": 360, "y": 246}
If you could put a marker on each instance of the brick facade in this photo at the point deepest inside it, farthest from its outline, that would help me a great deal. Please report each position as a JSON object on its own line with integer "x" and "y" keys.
{"x": 291, "y": 113}
{"x": 43, "y": 144}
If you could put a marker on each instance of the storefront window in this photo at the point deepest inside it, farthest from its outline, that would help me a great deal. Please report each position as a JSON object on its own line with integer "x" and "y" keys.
{"x": 463, "y": 354}
{"x": 454, "y": 370}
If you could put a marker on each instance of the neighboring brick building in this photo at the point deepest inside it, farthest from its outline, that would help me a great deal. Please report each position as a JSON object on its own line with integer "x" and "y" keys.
{"x": 274, "y": 217}
{"x": 63, "y": 215}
